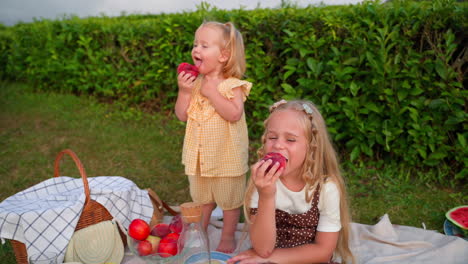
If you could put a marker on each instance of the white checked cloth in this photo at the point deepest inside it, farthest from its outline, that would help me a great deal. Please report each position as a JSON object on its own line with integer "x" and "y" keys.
{"x": 44, "y": 216}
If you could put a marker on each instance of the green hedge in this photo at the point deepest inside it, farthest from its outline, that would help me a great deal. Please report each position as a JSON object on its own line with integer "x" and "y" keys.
{"x": 387, "y": 77}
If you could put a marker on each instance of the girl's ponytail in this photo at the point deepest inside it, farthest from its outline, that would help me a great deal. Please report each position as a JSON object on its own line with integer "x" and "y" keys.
{"x": 235, "y": 65}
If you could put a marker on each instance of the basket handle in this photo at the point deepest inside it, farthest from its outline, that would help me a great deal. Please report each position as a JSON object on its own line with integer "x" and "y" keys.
{"x": 160, "y": 204}
{"x": 80, "y": 168}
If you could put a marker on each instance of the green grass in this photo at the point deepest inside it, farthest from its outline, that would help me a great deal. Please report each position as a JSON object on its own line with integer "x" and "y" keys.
{"x": 146, "y": 149}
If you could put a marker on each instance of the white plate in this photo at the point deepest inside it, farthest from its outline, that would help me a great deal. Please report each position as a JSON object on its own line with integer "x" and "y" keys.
{"x": 215, "y": 255}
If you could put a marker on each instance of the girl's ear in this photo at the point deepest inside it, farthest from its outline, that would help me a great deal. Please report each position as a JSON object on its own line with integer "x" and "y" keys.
{"x": 224, "y": 56}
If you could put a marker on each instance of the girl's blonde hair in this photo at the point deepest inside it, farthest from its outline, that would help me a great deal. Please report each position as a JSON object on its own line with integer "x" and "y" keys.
{"x": 234, "y": 44}
{"x": 321, "y": 165}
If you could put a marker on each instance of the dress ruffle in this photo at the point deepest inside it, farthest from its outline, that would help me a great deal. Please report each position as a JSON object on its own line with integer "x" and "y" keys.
{"x": 200, "y": 108}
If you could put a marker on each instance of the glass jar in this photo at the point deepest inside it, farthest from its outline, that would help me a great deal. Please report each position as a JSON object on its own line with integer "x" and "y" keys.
{"x": 194, "y": 243}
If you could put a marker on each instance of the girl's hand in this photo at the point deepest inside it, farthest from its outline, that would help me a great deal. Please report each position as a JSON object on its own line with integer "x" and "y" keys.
{"x": 185, "y": 82}
{"x": 265, "y": 182}
{"x": 209, "y": 89}
{"x": 247, "y": 257}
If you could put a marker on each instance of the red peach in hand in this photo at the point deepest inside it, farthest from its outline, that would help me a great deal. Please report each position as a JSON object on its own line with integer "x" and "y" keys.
{"x": 275, "y": 157}
{"x": 188, "y": 68}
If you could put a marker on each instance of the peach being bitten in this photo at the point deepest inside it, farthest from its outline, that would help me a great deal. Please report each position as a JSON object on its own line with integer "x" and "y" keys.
{"x": 275, "y": 157}
{"x": 188, "y": 68}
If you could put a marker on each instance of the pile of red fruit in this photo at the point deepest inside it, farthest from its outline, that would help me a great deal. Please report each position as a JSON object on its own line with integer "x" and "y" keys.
{"x": 161, "y": 240}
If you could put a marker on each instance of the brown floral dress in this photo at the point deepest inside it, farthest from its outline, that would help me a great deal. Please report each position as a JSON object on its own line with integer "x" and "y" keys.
{"x": 293, "y": 230}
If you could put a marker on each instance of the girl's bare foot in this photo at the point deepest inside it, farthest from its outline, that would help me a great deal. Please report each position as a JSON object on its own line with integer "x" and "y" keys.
{"x": 226, "y": 245}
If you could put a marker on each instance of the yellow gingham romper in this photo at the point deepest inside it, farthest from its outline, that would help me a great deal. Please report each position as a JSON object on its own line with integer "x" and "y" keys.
{"x": 215, "y": 152}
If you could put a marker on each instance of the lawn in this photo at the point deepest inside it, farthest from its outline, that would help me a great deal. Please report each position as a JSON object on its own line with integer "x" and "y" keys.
{"x": 146, "y": 149}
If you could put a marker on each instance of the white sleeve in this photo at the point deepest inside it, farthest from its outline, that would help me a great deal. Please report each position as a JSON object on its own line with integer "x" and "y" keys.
{"x": 329, "y": 208}
{"x": 285, "y": 200}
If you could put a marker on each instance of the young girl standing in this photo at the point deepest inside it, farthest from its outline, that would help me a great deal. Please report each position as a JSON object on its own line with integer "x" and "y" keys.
{"x": 215, "y": 151}
{"x": 299, "y": 213}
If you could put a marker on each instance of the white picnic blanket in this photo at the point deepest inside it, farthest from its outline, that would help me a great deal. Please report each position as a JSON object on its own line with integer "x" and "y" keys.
{"x": 387, "y": 243}
{"x": 44, "y": 216}
{"x": 374, "y": 244}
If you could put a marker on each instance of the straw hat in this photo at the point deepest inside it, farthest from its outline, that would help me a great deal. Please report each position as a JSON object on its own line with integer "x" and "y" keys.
{"x": 96, "y": 244}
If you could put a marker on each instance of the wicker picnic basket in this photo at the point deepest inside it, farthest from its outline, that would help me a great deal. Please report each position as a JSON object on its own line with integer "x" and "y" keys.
{"x": 93, "y": 212}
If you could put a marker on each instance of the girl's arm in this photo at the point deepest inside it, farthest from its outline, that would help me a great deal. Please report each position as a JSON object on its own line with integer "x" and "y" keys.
{"x": 185, "y": 83}
{"x": 262, "y": 231}
{"x": 229, "y": 109}
{"x": 321, "y": 251}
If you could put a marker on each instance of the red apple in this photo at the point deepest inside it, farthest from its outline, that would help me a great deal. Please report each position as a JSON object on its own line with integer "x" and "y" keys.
{"x": 154, "y": 240}
{"x": 275, "y": 157}
{"x": 176, "y": 224}
{"x": 167, "y": 247}
{"x": 144, "y": 248}
{"x": 188, "y": 68}
{"x": 138, "y": 229}
{"x": 160, "y": 230}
